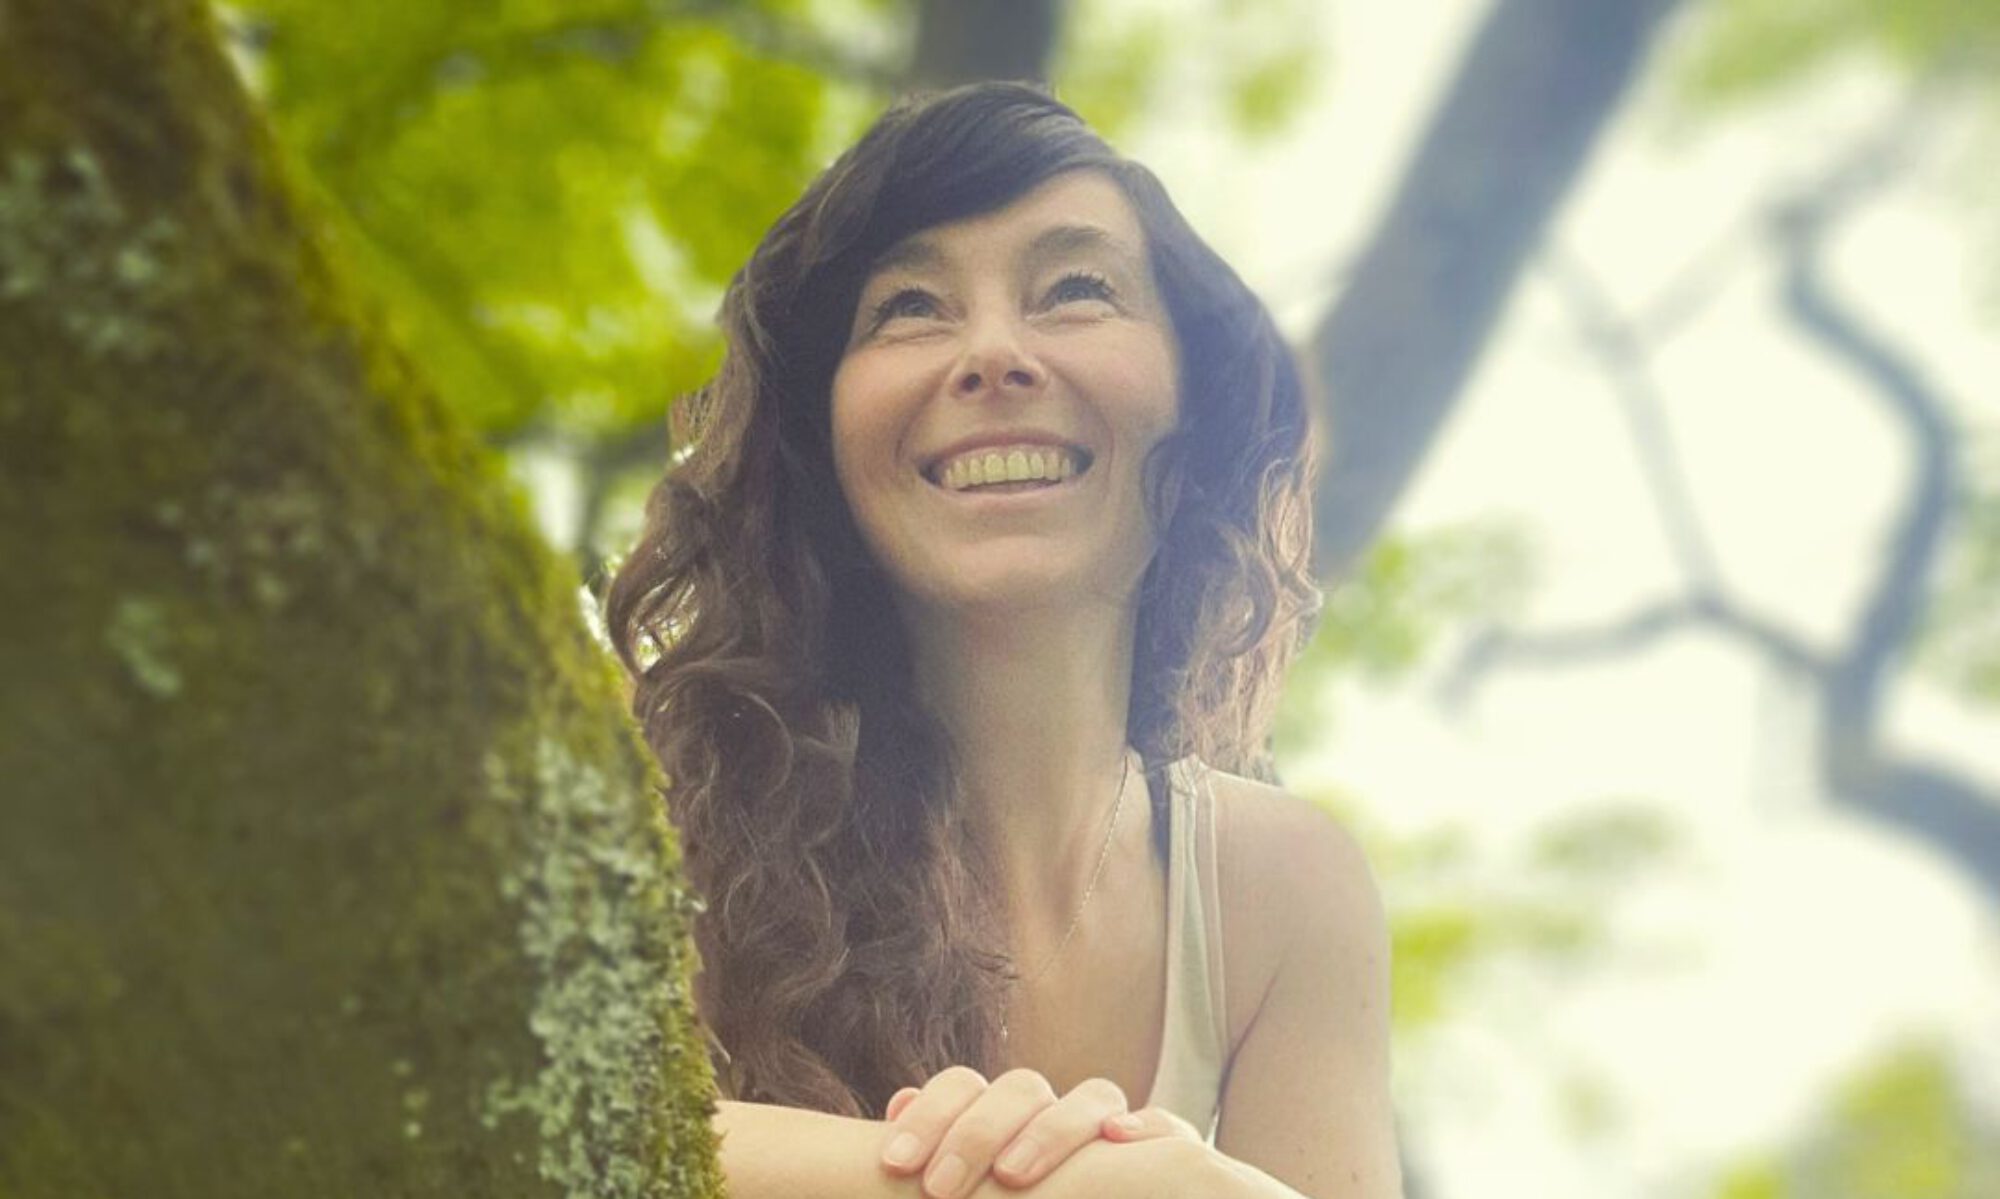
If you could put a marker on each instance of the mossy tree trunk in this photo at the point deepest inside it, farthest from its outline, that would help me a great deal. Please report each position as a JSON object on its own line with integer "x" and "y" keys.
{"x": 330, "y": 865}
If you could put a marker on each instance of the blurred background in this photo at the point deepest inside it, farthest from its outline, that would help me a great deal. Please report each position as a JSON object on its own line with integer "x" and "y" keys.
{"x": 1661, "y": 665}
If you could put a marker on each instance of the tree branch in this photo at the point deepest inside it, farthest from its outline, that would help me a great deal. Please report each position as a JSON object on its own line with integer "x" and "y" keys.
{"x": 1639, "y": 630}
{"x": 1623, "y": 356}
{"x": 963, "y": 41}
{"x": 1539, "y": 83}
{"x": 1955, "y": 816}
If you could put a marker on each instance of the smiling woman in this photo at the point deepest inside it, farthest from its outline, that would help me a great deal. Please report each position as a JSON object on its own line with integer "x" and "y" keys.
{"x": 1035, "y": 330}
{"x": 976, "y": 585}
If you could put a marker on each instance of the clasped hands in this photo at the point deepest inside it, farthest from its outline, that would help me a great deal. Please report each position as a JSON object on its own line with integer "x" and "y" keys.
{"x": 957, "y": 1128}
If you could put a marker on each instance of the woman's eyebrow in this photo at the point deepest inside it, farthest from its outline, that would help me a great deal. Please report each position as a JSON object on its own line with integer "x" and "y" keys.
{"x": 1061, "y": 241}
{"x": 921, "y": 254}
{"x": 910, "y": 254}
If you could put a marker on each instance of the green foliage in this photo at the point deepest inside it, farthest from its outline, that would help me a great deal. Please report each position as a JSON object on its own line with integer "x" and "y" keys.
{"x": 1470, "y": 922}
{"x": 1749, "y": 47}
{"x": 1378, "y": 625}
{"x": 1108, "y": 61}
{"x": 1757, "y": 1178}
{"x": 1452, "y": 916}
{"x": 1903, "y": 1127}
{"x": 1616, "y": 838}
{"x": 549, "y": 196}
{"x": 1269, "y": 57}
{"x": 1259, "y": 58}
{"x": 1269, "y": 89}
{"x": 1456, "y": 910}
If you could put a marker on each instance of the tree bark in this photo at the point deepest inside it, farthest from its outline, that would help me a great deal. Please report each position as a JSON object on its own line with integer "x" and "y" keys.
{"x": 331, "y": 866}
{"x": 1539, "y": 82}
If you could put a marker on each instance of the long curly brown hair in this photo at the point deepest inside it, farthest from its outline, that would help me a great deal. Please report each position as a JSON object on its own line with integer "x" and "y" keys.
{"x": 850, "y": 944}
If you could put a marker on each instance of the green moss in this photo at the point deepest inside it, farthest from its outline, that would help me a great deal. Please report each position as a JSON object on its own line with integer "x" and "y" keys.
{"x": 382, "y": 902}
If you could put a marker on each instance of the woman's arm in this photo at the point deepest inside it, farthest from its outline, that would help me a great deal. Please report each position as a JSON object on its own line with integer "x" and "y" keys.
{"x": 772, "y": 1152}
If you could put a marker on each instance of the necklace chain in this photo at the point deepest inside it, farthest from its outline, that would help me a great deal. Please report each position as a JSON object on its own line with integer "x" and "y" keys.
{"x": 1103, "y": 855}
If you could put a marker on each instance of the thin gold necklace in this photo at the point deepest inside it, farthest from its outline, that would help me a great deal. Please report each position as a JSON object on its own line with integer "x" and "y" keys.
{"x": 1103, "y": 854}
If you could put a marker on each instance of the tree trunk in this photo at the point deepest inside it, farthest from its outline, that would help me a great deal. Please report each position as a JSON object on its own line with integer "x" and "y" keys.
{"x": 1536, "y": 87}
{"x": 964, "y": 41}
{"x": 331, "y": 866}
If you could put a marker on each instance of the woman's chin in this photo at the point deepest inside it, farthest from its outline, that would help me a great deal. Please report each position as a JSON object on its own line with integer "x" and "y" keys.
{"x": 1020, "y": 580}
{"x": 1013, "y": 590}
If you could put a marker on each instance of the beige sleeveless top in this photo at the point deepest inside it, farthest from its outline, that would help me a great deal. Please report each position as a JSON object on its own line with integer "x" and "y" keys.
{"x": 1194, "y": 1045}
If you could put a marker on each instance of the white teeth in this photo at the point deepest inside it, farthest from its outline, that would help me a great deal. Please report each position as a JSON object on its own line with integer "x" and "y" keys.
{"x": 1010, "y": 465}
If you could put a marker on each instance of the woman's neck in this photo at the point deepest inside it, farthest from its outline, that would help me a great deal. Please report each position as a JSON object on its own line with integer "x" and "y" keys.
{"x": 1035, "y": 703}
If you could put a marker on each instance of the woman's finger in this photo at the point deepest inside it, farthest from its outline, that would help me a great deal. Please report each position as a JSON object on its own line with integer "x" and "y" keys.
{"x": 1148, "y": 1123}
{"x": 983, "y": 1129}
{"x": 899, "y": 1101}
{"x": 922, "y": 1121}
{"x": 1057, "y": 1131}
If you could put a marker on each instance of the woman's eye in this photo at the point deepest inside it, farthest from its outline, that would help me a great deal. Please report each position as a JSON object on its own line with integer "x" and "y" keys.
{"x": 1080, "y": 286}
{"x": 907, "y": 302}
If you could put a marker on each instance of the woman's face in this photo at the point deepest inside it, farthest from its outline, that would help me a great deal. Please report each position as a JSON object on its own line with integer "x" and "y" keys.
{"x": 1032, "y": 335}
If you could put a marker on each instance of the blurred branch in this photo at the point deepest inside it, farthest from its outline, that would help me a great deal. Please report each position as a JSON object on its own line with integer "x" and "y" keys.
{"x": 1953, "y": 815}
{"x": 1691, "y": 291}
{"x": 1623, "y": 355}
{"x": 792, "y": 41}
{"x": 1538, "y": 84}
{"x": 963, "y": 41}
{"x": 1635, "y": 632}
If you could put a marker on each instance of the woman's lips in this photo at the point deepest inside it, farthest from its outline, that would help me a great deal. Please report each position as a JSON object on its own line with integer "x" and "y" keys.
{"x": 1017, "y": 463}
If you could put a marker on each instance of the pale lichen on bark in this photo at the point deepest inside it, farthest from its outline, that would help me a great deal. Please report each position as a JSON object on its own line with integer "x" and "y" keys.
{"x": 585, "y": 888}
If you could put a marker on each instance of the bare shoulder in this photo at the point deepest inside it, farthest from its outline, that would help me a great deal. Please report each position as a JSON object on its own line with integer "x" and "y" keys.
{"x": 1286, "y": 867}
{"x": 1306, "y": 1094}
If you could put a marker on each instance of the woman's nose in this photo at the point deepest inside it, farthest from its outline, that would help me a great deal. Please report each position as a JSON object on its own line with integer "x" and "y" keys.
{"x": 996, "y": 361}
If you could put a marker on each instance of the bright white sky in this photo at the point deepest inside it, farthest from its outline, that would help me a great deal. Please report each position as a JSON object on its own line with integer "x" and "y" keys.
{"x": 1792, "y": 942}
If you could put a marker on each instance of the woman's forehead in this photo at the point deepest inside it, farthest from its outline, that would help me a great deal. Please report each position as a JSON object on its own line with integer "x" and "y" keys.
{"x": 1076, "y": 212}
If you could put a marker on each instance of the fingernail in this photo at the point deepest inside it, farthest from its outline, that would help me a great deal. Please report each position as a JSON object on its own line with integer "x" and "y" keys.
{"x": 945, "y": 1177}
{"x": 903, "y": 1150}
{"x": 1020, "y": 1159}
{"x": 1126, "y": 1122}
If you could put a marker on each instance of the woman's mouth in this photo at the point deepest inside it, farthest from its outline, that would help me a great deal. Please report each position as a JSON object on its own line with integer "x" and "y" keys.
{"x": 1006, "y": 470}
